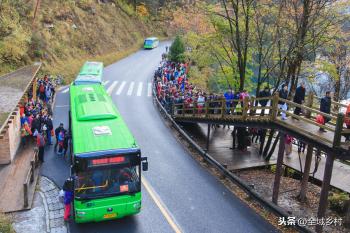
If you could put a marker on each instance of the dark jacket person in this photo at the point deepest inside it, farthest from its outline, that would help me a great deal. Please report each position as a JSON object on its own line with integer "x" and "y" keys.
{"x": 325, "y": 105}
{"x": 299, "y": 97}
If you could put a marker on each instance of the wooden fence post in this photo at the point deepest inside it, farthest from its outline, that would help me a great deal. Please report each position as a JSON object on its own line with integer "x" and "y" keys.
{"x": 309, "y": 103}
{"x": 327, "y": 175}
{"x": 274, "y": 107}
{"x": 32, "y": 168}
{"x": 305, "y": 180}
{"x": 245, "y": 108}
{"x": 338, "y": 130}
{"x": 223, "y": 104}
{"x": 25, "y": 194}
{"x": 206, "y": 108}
{"x": 278, "y": 174}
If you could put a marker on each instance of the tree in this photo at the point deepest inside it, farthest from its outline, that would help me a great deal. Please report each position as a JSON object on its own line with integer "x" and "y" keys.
{"x": 177, "y": 50}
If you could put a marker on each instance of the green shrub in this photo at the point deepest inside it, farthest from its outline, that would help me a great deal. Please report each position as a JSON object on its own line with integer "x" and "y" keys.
{"x": 5, "y": 224}
{"x": 338, "y": 202}
{"x": 177, "y": 49}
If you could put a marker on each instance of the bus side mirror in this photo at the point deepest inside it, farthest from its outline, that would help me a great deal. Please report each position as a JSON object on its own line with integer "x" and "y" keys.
{"x": 144, "y": 164}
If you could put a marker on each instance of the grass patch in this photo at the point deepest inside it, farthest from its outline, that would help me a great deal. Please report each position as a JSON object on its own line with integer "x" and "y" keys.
{"x": 70, "y": 68}
{"x": 5, "y": 224}
{"x": 3, "y": 117}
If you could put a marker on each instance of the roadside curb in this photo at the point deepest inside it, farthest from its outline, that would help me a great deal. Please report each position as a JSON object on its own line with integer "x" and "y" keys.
{"x": 53, "y": 207}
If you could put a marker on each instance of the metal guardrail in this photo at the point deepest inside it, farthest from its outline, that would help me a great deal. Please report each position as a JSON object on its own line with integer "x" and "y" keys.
{"x": 233, "y": 178}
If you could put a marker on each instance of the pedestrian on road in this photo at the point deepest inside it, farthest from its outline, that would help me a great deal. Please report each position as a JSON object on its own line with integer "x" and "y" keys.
{"x": 40, "y": 142}
{"x": 65, "y": 143}
{"x": 68, "y": 198}
{"x": 299, "y": 97}
{"x": 325, "y": 107}
{"x": 264, "y": 94}
{"x": 283, "y": 94}
{"x": 49, "y": 126}
{"x": 57, "y": 132}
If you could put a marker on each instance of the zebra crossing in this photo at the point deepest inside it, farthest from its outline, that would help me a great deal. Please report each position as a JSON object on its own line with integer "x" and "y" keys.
{"x": 126, "y": 88}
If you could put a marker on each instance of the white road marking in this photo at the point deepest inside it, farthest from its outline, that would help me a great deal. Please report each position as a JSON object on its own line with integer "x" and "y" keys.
{"x": 105, "y": 82}
{"x": 121, "y": 88}
{"x": 131, "y": 88}
{"x": 111, "y": 87}
{"x": 149, "y": 92}
{"x": 65, "y": 90}
{"x": 139, "y": 89}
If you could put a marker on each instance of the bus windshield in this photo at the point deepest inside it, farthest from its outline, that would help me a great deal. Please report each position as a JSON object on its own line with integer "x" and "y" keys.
{"x": 110, "y": 181}
{"x": 148, "y": 42}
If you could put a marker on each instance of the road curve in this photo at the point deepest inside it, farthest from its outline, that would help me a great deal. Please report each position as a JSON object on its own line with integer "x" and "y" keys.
{"x": 194, "y": 199}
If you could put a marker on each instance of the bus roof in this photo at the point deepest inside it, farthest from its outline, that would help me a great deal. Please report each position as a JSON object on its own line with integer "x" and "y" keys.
{"x": 96, "y": 123}
{"x": 90, "y": 73}
{"x": 151, "y": 38}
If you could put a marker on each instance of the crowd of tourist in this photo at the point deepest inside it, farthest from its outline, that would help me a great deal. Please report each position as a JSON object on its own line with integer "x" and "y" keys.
{"x": 36, "y": 119}
{"x": 174, "y": 87}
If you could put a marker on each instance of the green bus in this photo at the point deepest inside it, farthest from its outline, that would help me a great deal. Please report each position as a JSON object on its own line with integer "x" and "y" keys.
{"x": 90, "y": 73}
{"x": 151, "y": 42}
{"x": 106, "y": 161}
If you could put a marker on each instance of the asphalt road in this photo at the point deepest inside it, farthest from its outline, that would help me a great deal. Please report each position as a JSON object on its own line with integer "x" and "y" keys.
{"x": 192, "y": 198}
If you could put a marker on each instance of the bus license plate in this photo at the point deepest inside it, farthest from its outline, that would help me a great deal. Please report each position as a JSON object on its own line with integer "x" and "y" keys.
{"x": 110, "y": 215}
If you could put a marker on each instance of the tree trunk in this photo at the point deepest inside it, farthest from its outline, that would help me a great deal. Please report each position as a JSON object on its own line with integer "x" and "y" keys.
{"x": 262, "y": 141}
{"x": 267, "y": 158}
{"x": 304, "y": 182}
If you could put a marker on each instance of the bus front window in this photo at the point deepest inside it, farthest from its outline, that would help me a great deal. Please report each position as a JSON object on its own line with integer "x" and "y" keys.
{"x": 148, "y": 42}
{"x": 107, "y": 182}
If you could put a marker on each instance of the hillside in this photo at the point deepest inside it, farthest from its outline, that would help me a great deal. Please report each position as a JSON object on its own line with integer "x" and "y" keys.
{"x": 65, "y": 33}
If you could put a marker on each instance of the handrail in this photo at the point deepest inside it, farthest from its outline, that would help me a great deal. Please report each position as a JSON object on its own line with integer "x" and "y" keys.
{"x": 29, "y": 178}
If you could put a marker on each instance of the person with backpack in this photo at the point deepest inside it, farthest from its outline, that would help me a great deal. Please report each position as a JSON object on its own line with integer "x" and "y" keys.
{"x": 40, "y": 142}
{"x": 67, "y": 198}
{"x": 61, "y": 137}
{"x": 325, "y": 107}
{"x": 57, "y": 132}
{"x": 42, "y": 95}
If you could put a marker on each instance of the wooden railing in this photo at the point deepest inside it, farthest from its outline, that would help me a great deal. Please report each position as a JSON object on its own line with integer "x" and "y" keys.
{"x": 250, "y": 110}
{"x": 30, "y": 178}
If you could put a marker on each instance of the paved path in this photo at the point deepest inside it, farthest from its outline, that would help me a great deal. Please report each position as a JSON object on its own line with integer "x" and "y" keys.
{"x": 46, "y": 214}
{"x": 221, "y": 141}
{"x": 194, "y": 199}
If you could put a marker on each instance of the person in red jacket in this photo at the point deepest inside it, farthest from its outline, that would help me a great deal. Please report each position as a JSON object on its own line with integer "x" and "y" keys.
{"x": 347, "y": 121}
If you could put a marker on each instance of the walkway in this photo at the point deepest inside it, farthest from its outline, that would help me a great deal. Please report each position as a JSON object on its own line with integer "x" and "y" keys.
{"x": 12, "y": 178}
{"x": 221, "y": 142}
{"x": 302, "y": 127}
